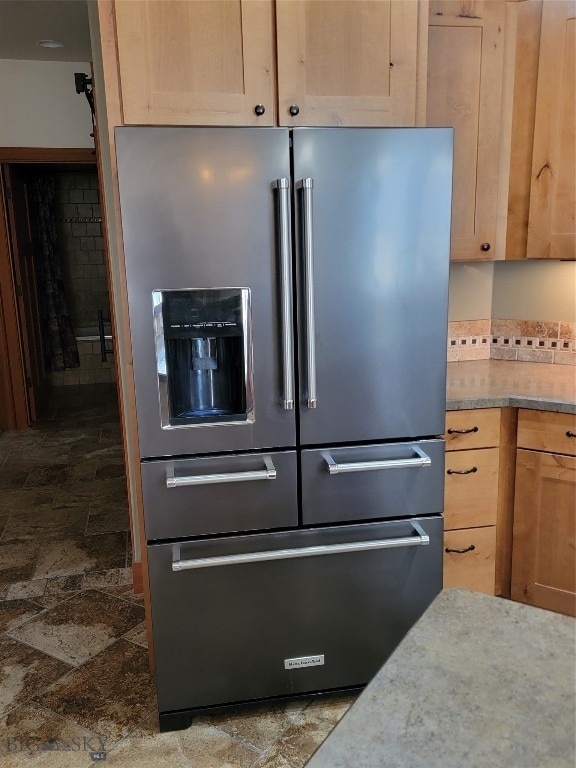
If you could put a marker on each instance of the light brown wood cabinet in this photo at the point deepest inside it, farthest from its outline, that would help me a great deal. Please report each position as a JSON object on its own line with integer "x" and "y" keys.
{"x": 465, "y": 81}
{"x": 213, "y": 62}
{"x": 551, "y": 221}
{"x": 347, "y": 62}
{"x": 195, "y": 62}
{"x": 471, "y": 499}
{"x": 544, "y": 540}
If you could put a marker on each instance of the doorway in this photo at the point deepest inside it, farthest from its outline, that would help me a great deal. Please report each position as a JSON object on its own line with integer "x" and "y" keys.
{"x": 55, "y": 323}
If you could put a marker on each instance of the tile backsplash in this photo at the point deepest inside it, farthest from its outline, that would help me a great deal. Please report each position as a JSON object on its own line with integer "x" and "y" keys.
{"x": 535, "y": 341}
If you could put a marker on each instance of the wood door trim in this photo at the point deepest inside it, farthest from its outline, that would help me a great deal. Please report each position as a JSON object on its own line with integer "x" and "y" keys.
{"x": 47, "y": 155}
{"x": 14, "y": 409}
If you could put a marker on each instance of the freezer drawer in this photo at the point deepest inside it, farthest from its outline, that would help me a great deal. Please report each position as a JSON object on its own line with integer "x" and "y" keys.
{"x": 374, "y": 481}
{"x": 223, "y": 494}
{"x": 267, "y": 615}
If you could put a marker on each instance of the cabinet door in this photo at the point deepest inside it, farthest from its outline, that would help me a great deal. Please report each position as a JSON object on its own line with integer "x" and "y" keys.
{"x": 551, "y": 222}
{"x": 195, "y": 62}
{"x": 465, "y": 71}
{"x": 543, "y": 553}
{"x": 347, "y": 62}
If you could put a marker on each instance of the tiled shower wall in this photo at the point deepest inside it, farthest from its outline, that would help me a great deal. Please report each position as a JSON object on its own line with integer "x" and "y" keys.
{"x": 84, "y": 272}
{"x": 534, "y": 341}
{"x": 82, "y": 247}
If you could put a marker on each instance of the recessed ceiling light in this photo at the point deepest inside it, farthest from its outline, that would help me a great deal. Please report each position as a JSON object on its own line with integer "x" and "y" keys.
{"x": 50, "y": 44}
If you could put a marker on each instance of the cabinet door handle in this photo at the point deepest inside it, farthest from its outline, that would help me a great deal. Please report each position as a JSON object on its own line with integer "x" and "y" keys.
{"x": 462, "y": 431}
{"x": 570, "y": 434}
{"x": 462, "y": 471}
{"x": 461, "y": 551}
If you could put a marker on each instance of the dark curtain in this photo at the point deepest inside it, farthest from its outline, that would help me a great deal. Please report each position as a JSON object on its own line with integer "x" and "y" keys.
{"x": 60, "y": 349}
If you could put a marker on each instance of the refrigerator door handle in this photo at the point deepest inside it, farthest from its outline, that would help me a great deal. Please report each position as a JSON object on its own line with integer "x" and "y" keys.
{"x": 420, "y": 539}
{"x": 283, "y": 187}
{"x": 422, "y": 460}
{"x": 222, "y": 477}
{"x": 307, "y": 185}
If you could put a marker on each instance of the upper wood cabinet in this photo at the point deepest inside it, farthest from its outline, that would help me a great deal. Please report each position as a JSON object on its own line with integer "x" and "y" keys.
{"x": 347, "y": 62}
{"x": 196, "y": 62}
{"x": 551, "y": 222}
{"x": 465, "y": 80}
{"x": 212, "y": 62}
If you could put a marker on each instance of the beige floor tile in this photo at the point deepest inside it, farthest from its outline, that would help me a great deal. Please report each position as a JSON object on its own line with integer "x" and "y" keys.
{"x": 53, "y": 522}
{"x": 17, "y": 560}
{"x": 79, "y": 628}
{"x": 15, "y": 612}
{"x": 33, "y": 737}
{"x": 79, "y": 554}
{"x": 23, "y": 500}
{"x": 106, "y": 518}
{"x": 258, "y": 726}
{"x": 160, "y": 751}
{"x": 207, "y": 747}
{"x": 110, "y": 694}
{"x": 24, "y": 672}
{"x": 138, "y": 635}
{"x": 59, "y": 589}
{"x": 23, "y": 590}
{"x": 297, "y": 744}
{"x": 331, "y": 708}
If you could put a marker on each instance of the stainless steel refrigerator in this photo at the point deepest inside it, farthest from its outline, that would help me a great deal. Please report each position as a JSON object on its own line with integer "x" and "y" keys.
{"x": 288, "y": 310}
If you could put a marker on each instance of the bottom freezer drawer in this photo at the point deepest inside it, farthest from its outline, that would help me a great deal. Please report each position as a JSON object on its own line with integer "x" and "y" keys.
{"x": 251, "y": 617}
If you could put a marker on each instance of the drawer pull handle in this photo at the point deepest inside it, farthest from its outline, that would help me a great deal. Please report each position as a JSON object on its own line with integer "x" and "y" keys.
{"x": 421, "y": 460}
{"x": 462, "y": 471}
{"x": 225, "y": 477}
{"x": 471, "y": 548}
{"x": 462, "y": 431}
{"x": 570, "y": 434}
{"x": 421, "y": 539}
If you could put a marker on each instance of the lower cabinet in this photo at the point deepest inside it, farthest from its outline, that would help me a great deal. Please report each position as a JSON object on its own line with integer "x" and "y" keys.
{"x": 470, "y": 559}
{"x": 544, "y": 540}
{"x": 471, "y": 499}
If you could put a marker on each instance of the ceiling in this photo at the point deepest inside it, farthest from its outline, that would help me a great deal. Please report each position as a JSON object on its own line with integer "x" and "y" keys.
{"x": 24, "y": 22}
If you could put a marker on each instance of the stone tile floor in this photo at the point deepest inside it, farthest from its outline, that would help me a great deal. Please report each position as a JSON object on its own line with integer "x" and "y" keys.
{"x": 74, "y": 677}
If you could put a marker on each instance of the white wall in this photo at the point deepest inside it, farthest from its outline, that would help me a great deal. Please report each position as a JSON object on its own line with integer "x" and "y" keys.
{"x": 515, "y": 290}
{"x": 535, "y": 290}
{"x": 470, "y": 293}
{"x": 39, "y": 106}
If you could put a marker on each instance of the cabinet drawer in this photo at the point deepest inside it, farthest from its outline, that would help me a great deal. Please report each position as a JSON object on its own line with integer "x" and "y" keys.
{"x": 475, "y": 567}
{"x": 546, "y": 431}
{"x": 223, "y": 632}
{"x": 479, "y": 428}
{"x": 471, "y": 488}
{"x": 369, "y": 484}
{"x": 195, "y": 497}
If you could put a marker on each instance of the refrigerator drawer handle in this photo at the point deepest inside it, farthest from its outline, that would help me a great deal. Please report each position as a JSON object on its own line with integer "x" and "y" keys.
{"x": 225, "y": 477}
{"x": 421, "y": 460}
{"x": 420, "y": 539}
{"x": 307, "y": 185}
{"x": 283, "y": 187}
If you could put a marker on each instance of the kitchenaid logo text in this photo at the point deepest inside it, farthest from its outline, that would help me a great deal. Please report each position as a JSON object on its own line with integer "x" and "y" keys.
{"x": 94, "y": 745}
{"x": 304, "y": 661}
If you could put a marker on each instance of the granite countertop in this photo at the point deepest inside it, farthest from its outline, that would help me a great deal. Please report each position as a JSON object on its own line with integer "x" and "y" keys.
{"x": 501, "y": 383}
{"x": 478, "y": 682}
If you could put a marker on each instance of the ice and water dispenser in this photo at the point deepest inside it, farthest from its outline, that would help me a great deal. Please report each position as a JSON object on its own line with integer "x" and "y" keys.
{"x": 202, "y": 352}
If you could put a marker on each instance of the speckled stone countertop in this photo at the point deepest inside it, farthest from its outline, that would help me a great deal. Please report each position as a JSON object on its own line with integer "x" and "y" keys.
{"x": 478, "y": 682}
{"x": 501, "y": 383}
